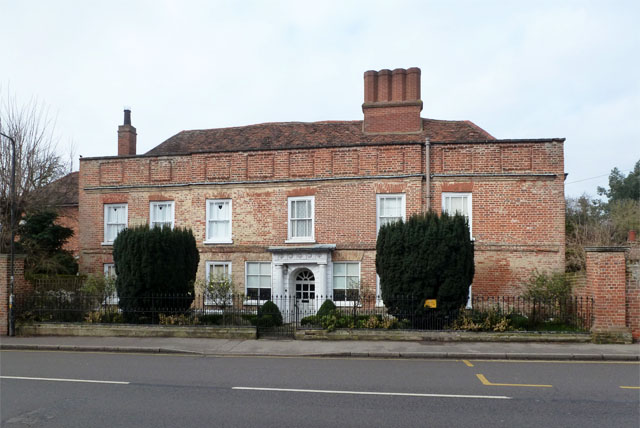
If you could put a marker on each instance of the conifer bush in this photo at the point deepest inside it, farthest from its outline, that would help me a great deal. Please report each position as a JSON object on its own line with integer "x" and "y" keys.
{"x": 158, "y": 262}
{"x": 426, "y": 257}
{"x": 269, "y": 315}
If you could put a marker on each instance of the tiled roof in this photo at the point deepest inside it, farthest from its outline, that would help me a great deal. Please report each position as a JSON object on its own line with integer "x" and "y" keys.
{"x": 65, "y": 189}
{"x": 294, "y": 135}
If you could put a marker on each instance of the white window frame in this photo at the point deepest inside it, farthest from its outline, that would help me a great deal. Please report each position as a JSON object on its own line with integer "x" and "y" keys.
{"x": 210, "y": 264}
{"x": 221, "y": 239}
{"x": 403, "y": 206}
{"x": 170, "y": 205}
{"x": 469, "y": 202}
{"x": 109, "y": 270}
{"x": 126, "y": 224}
{"x": 246, "y": 281}
{"x": 307, "y": 239}
{"x": 333, "y": 275}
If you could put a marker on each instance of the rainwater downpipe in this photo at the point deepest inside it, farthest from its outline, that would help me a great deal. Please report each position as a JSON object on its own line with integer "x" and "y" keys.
{"x": 427, "y": 172}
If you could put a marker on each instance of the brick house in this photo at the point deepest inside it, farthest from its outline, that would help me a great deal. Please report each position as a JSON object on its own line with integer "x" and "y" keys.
{"x": 293, "y": 208}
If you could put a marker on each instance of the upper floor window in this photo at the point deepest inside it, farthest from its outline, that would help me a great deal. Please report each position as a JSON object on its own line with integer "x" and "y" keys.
{"x": 301, "y": 210}
{"x": 115, "y": 219}
{"x": 459, "y": 203}
{"x": 390, "y": 208}
{"x": 161, "y": 214}
{"x": 219, "y": 221}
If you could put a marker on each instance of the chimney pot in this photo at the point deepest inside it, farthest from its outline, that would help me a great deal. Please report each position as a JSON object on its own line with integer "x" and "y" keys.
{"x": 127, "y": 136}
{"x": 392, "y": 103}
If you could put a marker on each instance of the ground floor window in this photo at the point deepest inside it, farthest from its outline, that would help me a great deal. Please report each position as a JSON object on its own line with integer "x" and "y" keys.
{"x": 110, "y": 292}
{"x": 258, "y": 281}
{"x": 219, "y": 287}
{"x": 346, "y": 281}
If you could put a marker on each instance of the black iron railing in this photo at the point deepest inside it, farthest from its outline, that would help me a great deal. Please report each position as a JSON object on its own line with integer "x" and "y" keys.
{"x": 364, "y": 312}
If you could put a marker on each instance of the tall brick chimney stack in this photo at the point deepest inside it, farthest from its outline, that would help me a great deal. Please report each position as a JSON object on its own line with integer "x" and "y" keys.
{"x": 126, "y": 136}
{"x": 392, "y": 101}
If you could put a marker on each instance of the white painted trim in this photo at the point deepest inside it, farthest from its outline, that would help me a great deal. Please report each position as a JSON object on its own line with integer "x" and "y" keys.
{"x": 470, "y": 206}
{"x": 347, "y": 303}
{"x": 403, "y": 208}
{"x": 301, "y": 239}
{"x": 221, "y": 240}
{"x": 246, "y": 274}
{"x": 171, "y": 205}
{"x": 104, "y": 220}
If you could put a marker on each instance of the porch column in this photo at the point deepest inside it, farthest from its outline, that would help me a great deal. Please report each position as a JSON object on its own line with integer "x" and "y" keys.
{"x": 321, "y": 283}
{"x": 278, "y": 285}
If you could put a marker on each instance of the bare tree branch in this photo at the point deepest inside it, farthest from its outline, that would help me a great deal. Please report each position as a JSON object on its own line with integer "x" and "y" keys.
{"x": 38, "y": 162}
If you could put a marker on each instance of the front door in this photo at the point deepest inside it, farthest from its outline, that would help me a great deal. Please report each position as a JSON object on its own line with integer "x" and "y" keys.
{"x": 305, "y": 293}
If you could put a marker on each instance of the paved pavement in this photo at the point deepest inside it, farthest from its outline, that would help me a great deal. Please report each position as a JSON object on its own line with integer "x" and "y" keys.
{"x": 324, "y": 348}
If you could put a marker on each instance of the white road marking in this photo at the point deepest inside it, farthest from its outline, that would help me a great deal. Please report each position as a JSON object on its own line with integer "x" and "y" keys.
{"x": 52, "y": 379}
{"x": 402, "y": 394}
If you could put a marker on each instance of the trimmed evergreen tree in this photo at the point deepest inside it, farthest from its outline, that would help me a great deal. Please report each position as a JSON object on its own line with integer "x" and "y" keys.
{"x": 42, "y": 239}
{"x": 426, "y": 257}
{"x": 155, "y": 262}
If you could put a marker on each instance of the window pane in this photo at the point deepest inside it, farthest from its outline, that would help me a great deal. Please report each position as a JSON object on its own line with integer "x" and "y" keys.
{"x": 339, "y": 282}
{"x": 265, "y": 269}
{"x": 456, "y": 205}
{"x": 339, "y": 295}
{"x": 394, "y": 207}
{"x": 352, "y": 269}
{"x": 111, "y": 215}
{"x": 120, "y": 215}
{"x": 112, "y": 231}
{"x": 253, "y": 268}
{"x": 265, "y": 294}
{"x": 352, "y": 294}
{"x": 253, "y": 281}
{"x": 339, "y": 269}
{"x": 301, "y": 228}
{"x": 265, "y": 282}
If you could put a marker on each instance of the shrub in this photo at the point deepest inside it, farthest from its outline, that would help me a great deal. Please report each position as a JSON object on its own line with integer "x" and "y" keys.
{"x": 269, "y": 315}
{"x": 548, "y": 286}
{"x": 491, "y": 320}
{"x": 311, "y": 320}
{"x": 155, "y": 262}
{"x": 326, "y": 308}
{"x": 43, "y": 240}
{"x": 426, "y": 257}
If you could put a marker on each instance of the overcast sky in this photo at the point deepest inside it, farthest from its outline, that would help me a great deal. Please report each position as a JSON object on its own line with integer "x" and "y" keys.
{"x": 518, "y": 69}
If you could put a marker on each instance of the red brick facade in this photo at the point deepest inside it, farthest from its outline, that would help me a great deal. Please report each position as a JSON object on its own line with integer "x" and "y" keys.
{"x": 516, "y": 186}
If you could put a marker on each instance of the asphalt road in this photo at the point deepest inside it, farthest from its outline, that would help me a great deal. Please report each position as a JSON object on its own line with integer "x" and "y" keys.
{"x": 60, "y": 389}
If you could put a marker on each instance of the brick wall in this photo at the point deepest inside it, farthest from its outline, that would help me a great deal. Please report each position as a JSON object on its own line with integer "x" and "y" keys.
{"x": 633, "y": 289}
{"x": 19, "y": 286}
{"x": 606, "y": 278}
{"x": 68, "y": 217}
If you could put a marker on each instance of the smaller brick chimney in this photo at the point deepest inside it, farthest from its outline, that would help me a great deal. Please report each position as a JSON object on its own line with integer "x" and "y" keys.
{"x": 126, "y": 136}
{"x": 392, "y": 101}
